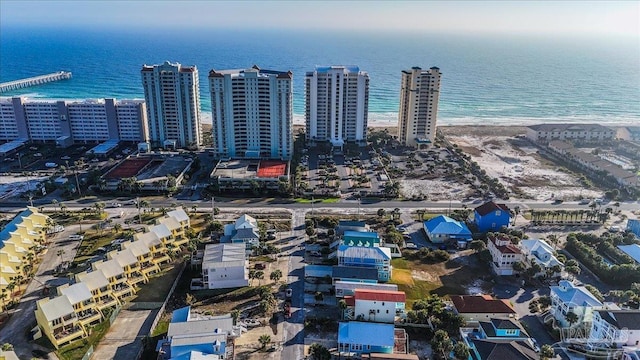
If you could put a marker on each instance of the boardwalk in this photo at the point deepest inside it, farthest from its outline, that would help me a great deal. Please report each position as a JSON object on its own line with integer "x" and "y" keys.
{"x": 33, "y": 81}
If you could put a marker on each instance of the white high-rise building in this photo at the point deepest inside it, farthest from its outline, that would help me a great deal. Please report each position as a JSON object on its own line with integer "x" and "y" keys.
{"x": 252, "y": 113}
{"x": 90, "y": 120}
{"x": 419, "y": 95}
{"x": 172, "y": 94}
{"x": 337, "y": 104}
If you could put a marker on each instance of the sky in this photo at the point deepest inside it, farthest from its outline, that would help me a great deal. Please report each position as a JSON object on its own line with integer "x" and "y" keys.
{"x": 605, "y": 18}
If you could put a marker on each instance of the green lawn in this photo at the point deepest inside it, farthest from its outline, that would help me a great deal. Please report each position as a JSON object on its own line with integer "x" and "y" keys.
{"x": 77, "y": 349}
{"x": 318, "y": 201}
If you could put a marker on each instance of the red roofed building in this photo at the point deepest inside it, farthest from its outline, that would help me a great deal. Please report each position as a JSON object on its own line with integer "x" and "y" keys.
{"x": 377, "y": 305}
{"x": 504, "y": 254}
{"x": 481, "y": 307}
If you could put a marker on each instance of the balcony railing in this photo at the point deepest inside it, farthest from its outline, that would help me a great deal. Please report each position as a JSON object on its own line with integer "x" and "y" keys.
{"x": 67, "y": 332}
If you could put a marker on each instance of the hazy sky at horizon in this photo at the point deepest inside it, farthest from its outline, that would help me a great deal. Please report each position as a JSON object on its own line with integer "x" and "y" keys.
{"x": 566, "y": 18}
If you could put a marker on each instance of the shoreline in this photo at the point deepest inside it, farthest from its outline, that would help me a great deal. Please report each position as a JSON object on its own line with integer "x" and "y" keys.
{"x": 375, "y": 121}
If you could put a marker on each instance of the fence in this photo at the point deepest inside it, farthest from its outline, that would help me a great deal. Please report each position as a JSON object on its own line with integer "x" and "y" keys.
{"x": 88, "y": 354}
{"x": 164, "y": 304}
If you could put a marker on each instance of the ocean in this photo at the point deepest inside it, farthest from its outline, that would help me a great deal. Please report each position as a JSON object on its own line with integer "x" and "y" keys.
{"x": 504, "y": 79}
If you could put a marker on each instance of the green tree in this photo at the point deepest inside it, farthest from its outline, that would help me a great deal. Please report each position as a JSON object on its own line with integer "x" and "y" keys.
{"x": 546, "y": 352}
{"x": 571, "y": 318}
{"x": 264, "y": 340}
{"x": 519, "y": 266}
{"x": 441, "y": 344}
{"x": 235, "y": 315}
{"x": 319, "y": 352}
{"x": 276, "y": 275}
{"x": 6, "y": 347}
{"x": 461, "y": 351}
{"x": 477, "y": 245}
{"x": 381, "y": 212}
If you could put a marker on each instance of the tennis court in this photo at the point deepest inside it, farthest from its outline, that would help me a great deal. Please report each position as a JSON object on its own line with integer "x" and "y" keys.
{"x": 271, "y": 168}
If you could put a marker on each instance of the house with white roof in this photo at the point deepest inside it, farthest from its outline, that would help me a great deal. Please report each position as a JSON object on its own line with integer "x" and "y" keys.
{"x": 632, "y": 250}
{"x": 244, "y": 230}
{"x": 120, "y": 287}
{"x": 58, "y": 321}
{"x": 181, "y": 216}
{"x": 538, "y": 251}
{"x": 615, "y": 328}
{"x": 225, "y": 266}
{"x": 144, "y": 256}
{"x": 369, "y": 257}
{"x": 129, "y": 263}
{"x": 567, "y": 297}
{"x": 100, "y": 289}
{"x": 195, "y": 336}
{"x": 83, "y": 303}
{"x": 158, "y": 250}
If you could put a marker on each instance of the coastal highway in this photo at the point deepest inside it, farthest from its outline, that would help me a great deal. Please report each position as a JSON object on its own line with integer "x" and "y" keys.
{"x": 157, "y": 202}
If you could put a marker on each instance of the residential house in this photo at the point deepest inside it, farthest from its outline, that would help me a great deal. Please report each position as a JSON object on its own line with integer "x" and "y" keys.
{"x": 195, "y": 336}
{"x": 567, "y": 297}
{"x": 129, "y": 263}
{"x": 483, "y": 340}
{"x": 376, "y": 305}
{"x": 475, "y": 308}
{"x": 347, "y": 288}
{"x": 362, "y": 337}
{"x": 370, "y": 257}
{"x": 244, "y": 230}
{"x": 632, "y": 250}
{"x": 486, "y": 349}
{"x": 491, "y": 216}
{"x": 368, "y": 275}
{"x": 18, "y": 241}
{"x": 145, "y": 258}
{"x": 633, "y": 226}
{"x": 361, "y": 238}
{"x": 120, "y": 287}
{"x": 58, "y": 321}
{"x": 225, "y": 266}
{"x": 83, "y": 303}
{"x": 504, "y": 254}
{"x": 100, "y": 289}
{"x": 159, "y": 252}
{"x": 615, "y": 328}
{"x": 539, "y": 252}
{"x": 181, "y": 216}
{"x": 442, "y": 229}
{"x": 577, "y": 132}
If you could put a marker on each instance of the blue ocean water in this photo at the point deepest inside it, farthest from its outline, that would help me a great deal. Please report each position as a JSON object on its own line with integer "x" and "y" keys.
{"x": 487, "y": 79}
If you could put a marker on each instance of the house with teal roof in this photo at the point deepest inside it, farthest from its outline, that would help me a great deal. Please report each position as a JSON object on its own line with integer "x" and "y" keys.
{"x": 442, "y": 229}
{"x": 361, "y": 238}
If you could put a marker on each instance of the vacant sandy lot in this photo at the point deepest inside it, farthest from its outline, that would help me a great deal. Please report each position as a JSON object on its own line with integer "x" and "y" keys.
{"x": 516, "y": 164}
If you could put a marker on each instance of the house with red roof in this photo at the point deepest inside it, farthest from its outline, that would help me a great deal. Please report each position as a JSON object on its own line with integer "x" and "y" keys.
{"x": 375, "y": 305}
{"x": 504, "y": 254}
{"x": 474, "y": 308}
{"x": 491, "y": 216}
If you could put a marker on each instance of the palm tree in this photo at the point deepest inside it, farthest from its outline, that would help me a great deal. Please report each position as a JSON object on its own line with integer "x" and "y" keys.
{"x": 276, "y": 275}
{"x": 264, "y": 340}
{"x": 117, "y": 227}
{"x": 342, "y": 304}
{"x": 63, "y": 208}
{"x": 54, "y": 202}
{"x": 571, "y": 318}
{"x": 194, "y": 209}
{"x": 259, "y": 275}
{"x": 60, "y": 253}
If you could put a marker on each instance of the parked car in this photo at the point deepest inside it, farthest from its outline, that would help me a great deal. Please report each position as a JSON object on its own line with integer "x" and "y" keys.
{"x": 288, "y": 292}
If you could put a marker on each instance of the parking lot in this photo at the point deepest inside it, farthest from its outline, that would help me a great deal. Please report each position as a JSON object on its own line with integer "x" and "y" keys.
{"x": 348, "y": 174}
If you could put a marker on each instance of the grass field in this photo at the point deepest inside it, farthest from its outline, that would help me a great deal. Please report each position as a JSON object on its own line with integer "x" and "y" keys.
{"x": 462, "y": 275}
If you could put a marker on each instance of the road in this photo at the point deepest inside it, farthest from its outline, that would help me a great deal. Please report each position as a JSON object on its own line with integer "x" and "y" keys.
{"x": 294, "y": 326}
{"x": 22, "y": 318}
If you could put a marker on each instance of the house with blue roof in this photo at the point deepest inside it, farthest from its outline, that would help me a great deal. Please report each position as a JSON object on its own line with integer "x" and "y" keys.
{"x": 361, "y": 238}
{"x": 567, "y": 297}
{"x": 491, "y": 216}
{"x": 632, "y": 250}
{"x": 634, "y": 226}
{"x": 194, "y": 336}
{"x": 355, "y": 337}
{"x": 378, "y": 258}
{"x": 442, "y": 228}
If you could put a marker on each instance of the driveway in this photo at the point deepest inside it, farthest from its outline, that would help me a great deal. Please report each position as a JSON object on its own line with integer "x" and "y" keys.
{"x": 124, "y": 338}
